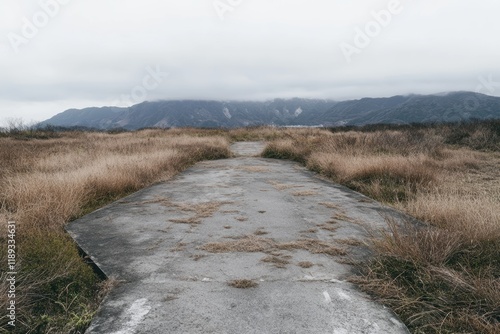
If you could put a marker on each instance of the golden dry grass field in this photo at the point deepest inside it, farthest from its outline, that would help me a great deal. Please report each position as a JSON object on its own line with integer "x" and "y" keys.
{"x": 46, "y": 183}
{"x": 442, "y": 277}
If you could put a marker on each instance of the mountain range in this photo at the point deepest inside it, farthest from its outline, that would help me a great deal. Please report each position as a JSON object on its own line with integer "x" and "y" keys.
{"x": 448, "y": 107}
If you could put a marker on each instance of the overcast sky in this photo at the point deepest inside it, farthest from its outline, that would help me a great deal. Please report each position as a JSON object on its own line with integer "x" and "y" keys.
{"x": 60, "y": 54}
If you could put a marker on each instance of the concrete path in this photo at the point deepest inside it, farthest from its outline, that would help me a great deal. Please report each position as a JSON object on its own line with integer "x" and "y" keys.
{"x": 244, "y": 245}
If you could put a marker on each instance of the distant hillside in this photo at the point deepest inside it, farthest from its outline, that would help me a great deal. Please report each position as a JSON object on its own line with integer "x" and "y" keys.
{"x": 197, "y": 113}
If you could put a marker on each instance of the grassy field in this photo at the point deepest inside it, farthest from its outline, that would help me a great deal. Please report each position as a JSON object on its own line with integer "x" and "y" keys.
{"x": 47, "y": 182}
{"x": 440, "y": 278}
{"x": 444, "y": 277}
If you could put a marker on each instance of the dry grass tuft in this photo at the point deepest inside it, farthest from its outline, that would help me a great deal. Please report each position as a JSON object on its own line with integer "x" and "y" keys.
{"x": 260, "y": 231}
{"x": 314, "y": 246}
{"x": 330, "y": 205}
{"x": 201, "y": 210}
{"x": 304, "y": 193}
{"x": 242, "y": 284}
{"x": 350, "y": 242}
{"x": 106, "y": 286}
{"x": 329, "y": 227}
{"x": 279, "y": 261}
{"x": 473, "y": 214}
{"x": 248, "y": 244}
{"x": 187, "y": 221}
{"x": 341, "y": 216}
{"x": 282, "y": 186}
{"x": 197, "y": 257}
{"x": 251, "y": 244}
{"x": 305, "y": 264}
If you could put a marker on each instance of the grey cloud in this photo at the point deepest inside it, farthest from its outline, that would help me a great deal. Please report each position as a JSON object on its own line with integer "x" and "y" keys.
{"x": 94, "y": 51}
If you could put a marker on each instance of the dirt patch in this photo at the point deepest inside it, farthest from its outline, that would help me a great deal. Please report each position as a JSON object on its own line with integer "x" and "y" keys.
{"x": 350, "y": 242}
{"x": 189, "y": 221}
{"x": 197, "y": 257}
{"x": 305, "y": 264}
{"x": 329, "y": 205}
{"x": 181, "y": 246}
{"x": 200, "y": 210}
{"x": 242, "y": 284}
{"x": 278, "y": 260}
{"x": 247, "y": 244}
{"x": 304, "y": 193}
{"x": 260, "y": 232}
{"x": 230, "y": 211}
{"x": 283, "y": 186}
{"x": 329, "y": 227}
{"x": 314, "y": 246}
{"x": 251, "y": 244}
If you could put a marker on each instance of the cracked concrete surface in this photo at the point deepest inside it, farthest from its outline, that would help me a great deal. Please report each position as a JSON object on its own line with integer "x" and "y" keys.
{"x": 152, "y": 242}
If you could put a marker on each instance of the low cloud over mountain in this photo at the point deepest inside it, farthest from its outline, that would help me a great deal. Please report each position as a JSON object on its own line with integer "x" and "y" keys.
{"x": 199, "y": 113}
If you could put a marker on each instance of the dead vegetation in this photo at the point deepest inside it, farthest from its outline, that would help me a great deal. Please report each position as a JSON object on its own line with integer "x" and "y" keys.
{"x": 278, "y": 260}
{"x": 200, "y": 210}
{"x": 46, "y": 181}
{"x": 305, "y": 264}
{"x": 304, "y": 193}
{"x": 441, "y": 278}
{"x": 197, "y": 257}
{"x": 261, "y": 231}
{"x": 247, "y": 244}
{"x": 282, "y": 186}
{"x": 350, "y": 242}
{"x": 329, "y": 227}
{"x": 329, "y": 205}
{"x": 252, "y": 244}
{"x": 243, "y": 283}
{"x": 180, "y": 247}
{"x": 314, "y": 246}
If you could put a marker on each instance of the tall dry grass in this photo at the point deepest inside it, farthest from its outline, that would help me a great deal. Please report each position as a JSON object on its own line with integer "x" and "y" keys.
{"x": 443, "y": 278}
{"x": 46, "y": 183}
{"x": 440, "y": 279}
